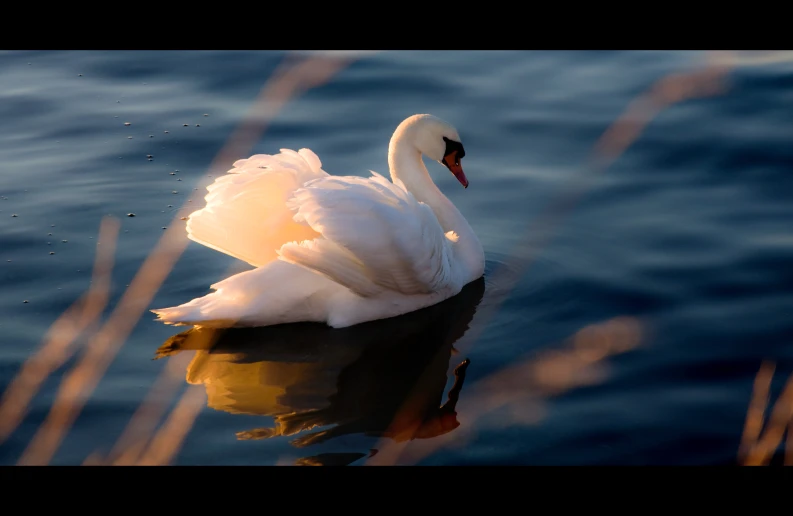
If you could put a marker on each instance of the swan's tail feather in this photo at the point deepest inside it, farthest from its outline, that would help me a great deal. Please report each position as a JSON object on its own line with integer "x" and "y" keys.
{"x": 246, "y": 215}
{"x": 252, "y": 298}
{"x": 210, "y": 311}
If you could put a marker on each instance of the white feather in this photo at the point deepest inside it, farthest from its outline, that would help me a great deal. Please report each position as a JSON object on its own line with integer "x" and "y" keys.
{"x": 375, "y": 234}
{"x": 246, "y": 214}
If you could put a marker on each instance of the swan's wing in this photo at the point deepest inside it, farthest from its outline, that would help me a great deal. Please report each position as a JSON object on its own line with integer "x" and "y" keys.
{"x": 246, "y": 214}
{"x": 375, "y": 236}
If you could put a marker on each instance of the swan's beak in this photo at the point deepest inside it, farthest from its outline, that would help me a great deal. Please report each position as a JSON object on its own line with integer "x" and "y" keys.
{"x": 453, "y": 164}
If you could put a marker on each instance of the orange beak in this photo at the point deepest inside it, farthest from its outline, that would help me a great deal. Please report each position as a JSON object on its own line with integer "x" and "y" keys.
{"x": 453, "y": 164}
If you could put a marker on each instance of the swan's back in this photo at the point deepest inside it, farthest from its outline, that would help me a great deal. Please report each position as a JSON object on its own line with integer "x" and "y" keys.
{"x": 246, "y": 215}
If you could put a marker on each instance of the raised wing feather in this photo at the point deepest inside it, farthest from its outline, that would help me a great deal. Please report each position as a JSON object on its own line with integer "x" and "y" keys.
{"x": 375, "y": 236}
{"x": 246, "y": 215}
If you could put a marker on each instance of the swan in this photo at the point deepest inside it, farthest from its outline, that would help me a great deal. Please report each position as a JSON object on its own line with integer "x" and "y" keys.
{"x": 339, "y": 250}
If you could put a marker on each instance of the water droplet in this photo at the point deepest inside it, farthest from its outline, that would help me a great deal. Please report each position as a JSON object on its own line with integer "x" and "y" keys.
{"x": 166, "y": 132}
{"x": 130, "y": 214}
{"x": 25, "y": 301}
{"x": 79, "y": 75}
{"x": 205, "y": 114}
{"x": 15, "y": 215}
{"x": 178, "y": 179}
{"x": 129, "y": 137}
{"x": 183, "y": 218}
{"x": 52, "y": 225}
{"x": 64, "y": 241}
{"x": 198, "y": 125}
{"x": 49, "y": 234}
{"x": 149, "y": 156}
{"x": 127, "y": 124}
{"x": 164, "y": 227}
{"x": 173, "y": 173}
{"x": 184, "y": 125}
{"x": 170, "y": 205}
{"x": 52, "y": 252}
{"x": 174, "y": 192}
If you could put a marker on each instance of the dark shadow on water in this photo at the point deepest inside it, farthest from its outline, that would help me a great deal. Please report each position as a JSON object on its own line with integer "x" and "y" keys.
{"x": 383, "y": 378}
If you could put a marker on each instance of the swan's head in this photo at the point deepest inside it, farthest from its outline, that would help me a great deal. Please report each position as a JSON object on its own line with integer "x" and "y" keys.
{"x": 439, "y": 141}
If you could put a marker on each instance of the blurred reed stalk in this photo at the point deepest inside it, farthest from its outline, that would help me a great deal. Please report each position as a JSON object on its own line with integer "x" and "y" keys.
{"x": 757, "y": 449}
{"x": 58, "y": 345}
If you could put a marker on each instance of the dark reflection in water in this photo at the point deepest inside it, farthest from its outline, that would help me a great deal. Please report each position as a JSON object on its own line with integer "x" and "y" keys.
{"x": 380, "y": 379}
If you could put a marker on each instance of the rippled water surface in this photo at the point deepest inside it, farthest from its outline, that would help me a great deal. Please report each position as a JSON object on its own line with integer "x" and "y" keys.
{"x": 626, "y": 329}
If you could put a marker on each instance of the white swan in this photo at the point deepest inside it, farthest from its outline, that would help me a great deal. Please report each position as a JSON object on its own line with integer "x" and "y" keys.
{"x": 331, "y": 249}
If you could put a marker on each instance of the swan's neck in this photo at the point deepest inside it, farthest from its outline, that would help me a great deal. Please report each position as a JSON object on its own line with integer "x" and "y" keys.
{"x": 407, "y": 166}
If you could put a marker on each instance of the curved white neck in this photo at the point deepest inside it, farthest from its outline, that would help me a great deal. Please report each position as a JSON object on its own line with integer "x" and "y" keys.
{"x": 407, "y": 166}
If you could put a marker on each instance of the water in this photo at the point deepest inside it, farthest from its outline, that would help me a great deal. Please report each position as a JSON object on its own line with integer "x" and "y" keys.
{"x": 679, "y": 251}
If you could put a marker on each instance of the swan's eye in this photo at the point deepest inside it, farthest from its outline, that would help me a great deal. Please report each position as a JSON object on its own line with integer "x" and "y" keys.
{"x": 454, "y": 146}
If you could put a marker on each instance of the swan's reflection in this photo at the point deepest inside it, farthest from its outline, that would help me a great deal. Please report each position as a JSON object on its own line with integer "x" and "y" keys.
{"x": 384, "y": 378}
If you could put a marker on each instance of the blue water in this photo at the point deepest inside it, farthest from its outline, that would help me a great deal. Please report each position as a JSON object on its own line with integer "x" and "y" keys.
{"x": 684, "y": 242}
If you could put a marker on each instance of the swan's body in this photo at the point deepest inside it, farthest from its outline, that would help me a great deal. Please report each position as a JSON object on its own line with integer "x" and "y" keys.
{"x": 332, "y": 249}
